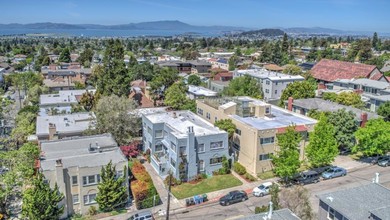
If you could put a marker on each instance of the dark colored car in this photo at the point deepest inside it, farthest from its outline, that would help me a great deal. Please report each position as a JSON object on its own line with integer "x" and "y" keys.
{"x": 307, "y": 178}
{"x": 384, "y": 162}
{"x": 233, "y": 197}
{"x": 376, "y": 159}
{"x": 320, "y": 170}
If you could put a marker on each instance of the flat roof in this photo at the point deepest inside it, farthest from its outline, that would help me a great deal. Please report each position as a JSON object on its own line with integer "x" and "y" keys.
{"x": 266, "y": 74}
{"x": 63, "y": 97}
{"x": 366, "y": 82}
{"x": 74, "y": 152}
{"x": 182, "y": 121}
{"x": 201, "y": 91}
{"x": 70, "y": 123}
{"x": 358, "y": 202}
{"x": 281, "y": 214}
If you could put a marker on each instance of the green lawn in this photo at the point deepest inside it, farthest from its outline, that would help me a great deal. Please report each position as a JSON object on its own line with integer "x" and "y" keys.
{"x": 211, "y": 184}
{"x": 266, "y": 175}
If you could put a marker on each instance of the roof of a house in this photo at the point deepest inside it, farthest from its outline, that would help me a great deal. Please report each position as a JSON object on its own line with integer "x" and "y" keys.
{"x": 365, "y": 82}
{"x": 63, "y": 97}
{"x": 71, "y": 123}
{"x": 328, "y": 106}
{"x": 273, "y": 67}
{"x": 358, "y": 202}
{"x": 331, "y": 70}
{"x": 265, "y": 74}
{"x": 224, "y": 74}
{"x": 201, "y": 91}
{"x": 179, "y": 121}
{"x": 281, "y": 214}
{"x": 58, "y": 82}
{"x": 75, "y": 152}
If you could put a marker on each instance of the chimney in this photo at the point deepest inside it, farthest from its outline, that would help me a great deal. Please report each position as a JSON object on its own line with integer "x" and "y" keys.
{"x": 190, "y": 129}
{"x": 363, "y": 118}
{"x": 321, "y": 86}
{"x": 174, "y": 115}
{"x": 52, "y": 131}
{"x": 269, "y": 216}
{"x": 59, "y": 163}
{"x": 290, "y": 103}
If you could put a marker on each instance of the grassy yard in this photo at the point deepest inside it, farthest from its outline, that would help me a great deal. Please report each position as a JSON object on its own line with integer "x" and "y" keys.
{"x": 211, "y": 184}
{"x": 266, "y": 175}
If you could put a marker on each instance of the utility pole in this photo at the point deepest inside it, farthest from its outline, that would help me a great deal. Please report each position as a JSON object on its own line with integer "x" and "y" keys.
{"x": 169, "y": 195}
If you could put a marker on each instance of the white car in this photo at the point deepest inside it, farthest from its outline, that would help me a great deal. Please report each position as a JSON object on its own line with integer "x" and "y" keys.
{"x": 262, "y": 190}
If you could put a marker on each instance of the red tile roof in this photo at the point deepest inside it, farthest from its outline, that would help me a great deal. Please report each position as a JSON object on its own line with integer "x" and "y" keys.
{"x": 331, "y": 70}
{"x": 388, "y": 78}
{"x": 376, "y": 76}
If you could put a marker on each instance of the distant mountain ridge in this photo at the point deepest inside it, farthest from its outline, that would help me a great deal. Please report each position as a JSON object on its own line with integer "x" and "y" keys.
{"x": 153, "y": 25}
{"x": 267, "y": 32}
{"x": 312, "y": 30}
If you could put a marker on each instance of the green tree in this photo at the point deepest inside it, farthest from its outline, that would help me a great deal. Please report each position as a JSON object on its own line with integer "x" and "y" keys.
{"x": 298, "y": 90}
{"x": 350, "y": 99}
{"x": 286, "y": 160}
{"x": 285, "y": 43}
{"x": 88, "y": 101}
{"x": 374, "y": 138}
{"x": 292, "y": 69}
{"x": 297, "y": 199}
{"x": 85, "y": 57}
{"x": 384, "y": 111}
{"x": 40, "y": 202}
{"x": 161, "y": 81}
{"x": 322, "y": 148}
{"x": 243, "y": 86}
{"x": 112, "y": 191}
{"x": 194, "y": 80}
{"x": 25, "y": 126}
{"x": 34, "y": 93}
{"x": 112, "y": 116}
{"x": 175, "y": 96}
{"x": 65, "y": 56}
{"x": 274, "y": 192}
{"x": 375, "y": 41}
{"x": 226, "y": 125}
{"x": 345, "y": 126}
{"x": 233, "y": 60}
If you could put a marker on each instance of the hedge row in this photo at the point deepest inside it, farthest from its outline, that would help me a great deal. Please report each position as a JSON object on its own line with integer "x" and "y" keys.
{"x": 142, "y": 187}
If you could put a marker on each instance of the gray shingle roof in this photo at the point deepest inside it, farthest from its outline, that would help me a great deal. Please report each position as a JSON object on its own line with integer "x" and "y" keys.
{"x": 282, "y": 214}
{"x": 357, "y": 203}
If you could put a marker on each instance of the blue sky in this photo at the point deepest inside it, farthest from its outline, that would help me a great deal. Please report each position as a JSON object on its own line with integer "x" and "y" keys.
{"x": 359, "y": 15}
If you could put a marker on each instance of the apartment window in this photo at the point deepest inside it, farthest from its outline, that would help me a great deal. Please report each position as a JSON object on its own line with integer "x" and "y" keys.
{"x": 173, "y": 147}
{"x": 201, "y": 165}
{"x": 90, "y": 199}
{"x": 276, "y": 83}
{"x": 265, "y": 156}
{"x": 267, "y": 110}
{"x": 215, "y": 160}
{"x": 200, "y": 111}
{"x": 216, "y": 119}
{"x": 183, "y": 150}
{"x": 208, "y": 115}
{"x": 201, "y": 148}
{"x": 266, "y": 90}
{"x": 149, "y": 130}
{"x": 238, "y": 131}
{"x": 76, "y": 199}
{"x": 158, "y": 134}
{"x": 276, "y": 91}
{"x": 165, "y": 134}
{"x": 331, "y": 213}
{"x": 267, "y": 82}
{"x": 216, "y": 145}
{"x": 119, "y": 173}
{"x": 74, "y": 180}
{"x": 173, "y": 162}
{"x": 159, "y": 147}
{"x": 268, "y": 140}
{"x": 90, "y": 180}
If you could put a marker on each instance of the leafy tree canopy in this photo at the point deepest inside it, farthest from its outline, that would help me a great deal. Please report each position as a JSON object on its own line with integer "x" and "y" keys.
{"x": 243, "y": 86}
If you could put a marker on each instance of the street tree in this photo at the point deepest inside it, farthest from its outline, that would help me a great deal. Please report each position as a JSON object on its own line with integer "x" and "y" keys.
{"x": 345, "y": 126}
{"x": 374, "y": 138}
{"x": 112, "y": 191}
{"x": 40, "y": 202}
{"x": 286, "y": 159}
{"x": 226, "y": 125}
{"x": 297, "y": 199}
{"x": 194, "y": 79}
{"x": 243, "y": 86}
{"x": 322, "y": 148}
{"x": 113, "y": 116}
{"x": 298, "y": 90}
{"x": 384, "y": 111}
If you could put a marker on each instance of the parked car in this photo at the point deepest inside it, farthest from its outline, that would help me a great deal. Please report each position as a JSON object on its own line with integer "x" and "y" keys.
{"x": 144, "y": 215}
{"x": 384, "y": 162}
{"x": 322, "y": 169}
{"x": 233, "y": 197}
{"x": 262, "y": 190}
{"x": 307, "y": 177}
{"x": 334, "y": 172}
{"x": 377, "y": 158}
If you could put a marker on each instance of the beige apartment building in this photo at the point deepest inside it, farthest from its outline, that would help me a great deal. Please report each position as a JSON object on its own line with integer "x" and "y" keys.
{"x": 75, "y": 165}
{"x": 257, "y": 123}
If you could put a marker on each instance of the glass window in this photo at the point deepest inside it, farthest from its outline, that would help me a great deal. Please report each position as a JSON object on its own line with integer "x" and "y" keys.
{"x": 75, "y": 198}
{"x": 173, "y": 162}
{"x": 158, "y": 134}
{"x": 215, "y": 160}
{"x": 74, "y": 180}
{"x": 89, "y": 199}
{"x": 201, "y": 165}
{"x": 265, "y": 156}
{"x": 149, "y": 130}
{"x": 200, "y": 111}
{"x": 266, "y": 90}
{"x": 331, "y": 213}
{"x": 267, "y": 82}
{"x": 216, "y": 145}
{"x": 276, "y": 91}
{"x": 201, "y": 148}
{"x": 267, "y": 110}
{"x": 208, "y": 115}
{"x": 268, "y": 140}
{"x": 89, "y": 180}
{"x": 119, "y": 173}
{"x": 183, "y": 150}
{"x": 159, "y": 147}
{"x": 173, "y": 147}
{"x": 238, "y": 131}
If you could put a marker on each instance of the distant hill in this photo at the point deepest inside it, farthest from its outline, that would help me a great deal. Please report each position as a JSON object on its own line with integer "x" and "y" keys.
{"x": 262, "y": 32}
{"x": 153, "y": 25}
{"x": 312, "y": 30}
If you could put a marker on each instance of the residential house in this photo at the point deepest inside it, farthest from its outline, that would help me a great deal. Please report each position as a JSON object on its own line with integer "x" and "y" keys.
{"x": 190, "y": 66}
{"x": 71, "y": 72}
{"x": 304, "y": 106}
{"x": 257, "y": 124}
{"x": 140, "y": 93}
{"x": 328, "y": 71}
{"x": 184, "y": 144}
{"x": 386, "y": 67}
{"x": 62, "y": 126}
{"x": 371, "y": 201}
{"x": 273, "y": 67}
{"x": 272, "y": 83}
{"x": 221, "y": 63}
{"x": 61, "y": 102}
{"x": 217, "y": 85}
{"x": 195, "y": 92}
{"x": 223, "y": 76}
{"x": 74, "y": 164}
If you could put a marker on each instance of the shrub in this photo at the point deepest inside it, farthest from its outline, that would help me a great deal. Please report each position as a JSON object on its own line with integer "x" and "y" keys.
{"x": 130, "y": 151}
{"x": 238, "y": 168}
{"x": 174, "y": 181}
{"x": 249, "y": 177}
{"x": 92, "y": 210}
{"x": 261, "y": 209}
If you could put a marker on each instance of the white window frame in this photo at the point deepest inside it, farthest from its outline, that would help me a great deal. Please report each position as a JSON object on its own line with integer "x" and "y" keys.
{"x": 333, "y": 214}
{"x": 201, "y": 165}
{"x": 89, "y": 201}
{"x": 159, "y": 150}
{"x": 217, "y": 162}
{"x": 160, "y": 135}
{"x": 215, "y": 143}
{"x": 87, "y": 180}
{"x": 77, "y": 198}
{"x": 200, "y": 148}
{"x": 77, "y": 180}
